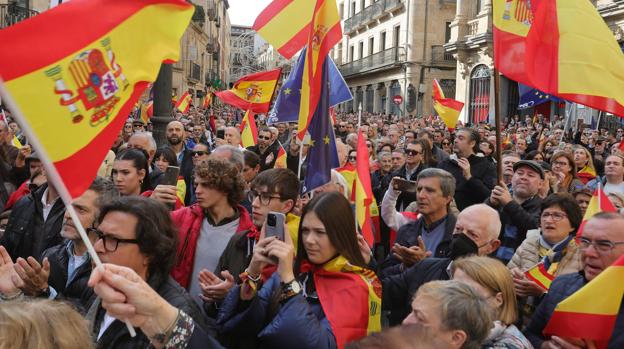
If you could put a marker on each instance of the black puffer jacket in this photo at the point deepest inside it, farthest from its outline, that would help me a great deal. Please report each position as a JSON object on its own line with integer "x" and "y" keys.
{"x": 27, "y": 234}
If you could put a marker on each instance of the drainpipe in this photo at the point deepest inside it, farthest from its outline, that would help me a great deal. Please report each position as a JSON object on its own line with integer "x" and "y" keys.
{"x": 407, "y": 31}
{"x": 424, "y": 54}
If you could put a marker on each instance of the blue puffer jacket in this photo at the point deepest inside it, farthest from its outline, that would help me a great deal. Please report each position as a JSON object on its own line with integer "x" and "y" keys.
{"x": 561, "y": 288}
{"x": 298, "y": 323}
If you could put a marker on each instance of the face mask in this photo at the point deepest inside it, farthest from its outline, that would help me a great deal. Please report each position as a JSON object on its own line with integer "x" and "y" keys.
{"x": 462, "y": 245}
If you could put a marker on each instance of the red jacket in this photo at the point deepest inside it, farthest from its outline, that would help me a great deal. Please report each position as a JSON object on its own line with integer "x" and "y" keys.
{"x": 188, "y": 220}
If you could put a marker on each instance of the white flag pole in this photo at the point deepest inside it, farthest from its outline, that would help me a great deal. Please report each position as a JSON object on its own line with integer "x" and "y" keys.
{"x": 54, "y": 177}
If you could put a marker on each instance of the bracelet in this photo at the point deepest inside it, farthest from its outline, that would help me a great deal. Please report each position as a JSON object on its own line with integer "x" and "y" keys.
{"x": 162, "y": 337}
{"x": 10, "y": 298}
{"x": 246, "y": 275}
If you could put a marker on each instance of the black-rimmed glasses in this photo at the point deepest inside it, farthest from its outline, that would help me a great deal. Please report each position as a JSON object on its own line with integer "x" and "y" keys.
{"x": 110, "y": 243}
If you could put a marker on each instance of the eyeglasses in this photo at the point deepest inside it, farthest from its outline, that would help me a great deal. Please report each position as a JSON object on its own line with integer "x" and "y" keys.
{"x": 199, "y": 153}
{"x": 446, "y": 143}
{"x": 266, "y": 138}
{"x": 110, "y": 243}
{"x": 352, "y": 158}
{"x": 264, "y": 197}
{"x": 556, "y": 216}
{"x": 412, "y": 152}
{"x": 602, "y": 246}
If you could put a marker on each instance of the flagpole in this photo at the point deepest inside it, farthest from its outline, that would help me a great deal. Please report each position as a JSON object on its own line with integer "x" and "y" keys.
{"x": 598, "y": 123}
{"x": 54, "y": 177}
{"x": 300, "y": 156}
{"x": 497, "y": 125}
{"x": 359, "y": 115}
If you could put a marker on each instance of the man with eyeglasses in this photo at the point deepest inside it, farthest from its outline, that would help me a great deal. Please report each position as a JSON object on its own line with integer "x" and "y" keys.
{"x": 205, "y": 227}
{"x": 476, "y": 233}
{"x": 601, "y": 244}
{"x": 65, "y": 268}
{"x": 266, "y": 149}
{"x": 138, "y": 233}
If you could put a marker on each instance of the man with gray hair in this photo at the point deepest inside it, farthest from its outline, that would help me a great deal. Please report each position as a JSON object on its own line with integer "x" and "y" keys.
{"x": 476, "y": 232}
{"x": 431, "y": 233}
{"x": 145, "y": 141}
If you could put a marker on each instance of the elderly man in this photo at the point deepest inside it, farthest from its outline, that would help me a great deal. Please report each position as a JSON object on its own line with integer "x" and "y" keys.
{"x": 145, "y": 141}
{"x": 601, "y": 244}
{"x": 476, "y": 232}
{"x": 509, "y": 158}
{"x": 519, "y": 210}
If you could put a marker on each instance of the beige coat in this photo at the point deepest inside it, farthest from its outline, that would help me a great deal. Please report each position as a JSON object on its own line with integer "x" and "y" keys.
{"x": 527, "y": 256}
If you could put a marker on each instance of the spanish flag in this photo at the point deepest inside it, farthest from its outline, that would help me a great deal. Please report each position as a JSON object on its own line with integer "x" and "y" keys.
{"x": 363, "y": 191}
{"x": 280, "y": 162}
{"x": 447, "y": 108}
{"x": 285, "y": 24}
{"x": 207, "y": 100}
{"x": 598, "y": 203}
{"x": 590, "y": 312}
{"x": 76, "y": 71}
{"x": 350, "y": 297}
{"x": 147, "y": 110}
{"x": 252, "y": 92}
{"x": 586, "y": 174}
{"x": 184, "y": 104}
{"x": 540, "y": 276}
{"x": 541, "y": 44}
{"x": 348, "y": 171}
{"x": 249, "y": 132}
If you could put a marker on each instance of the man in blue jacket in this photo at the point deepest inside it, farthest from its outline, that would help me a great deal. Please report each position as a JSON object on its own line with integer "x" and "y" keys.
{"x": 601, "y": 244}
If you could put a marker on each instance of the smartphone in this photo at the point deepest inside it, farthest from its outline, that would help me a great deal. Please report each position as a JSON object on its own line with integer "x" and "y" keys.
{"x": 221, "y": 134}
{"x": 453, "y": 157}
{"x": 275, "y": 225}
{"x": 171, "y": 175}
{"x": 404, "y": 185}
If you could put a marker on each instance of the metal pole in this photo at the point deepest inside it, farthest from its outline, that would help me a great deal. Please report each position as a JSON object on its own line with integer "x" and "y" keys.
{"x": 162, "y": 103}
{"x": 497, "y": 122}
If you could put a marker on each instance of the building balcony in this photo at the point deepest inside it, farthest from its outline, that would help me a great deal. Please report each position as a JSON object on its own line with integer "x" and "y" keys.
{"x": 440, "y": 57}
{"x": 213, "y": 45}
{"x": 11, "y": 14}
{"x": 387, "y": 59}
{"x": 195, "y": 72}
{"x": 370, "y": 14}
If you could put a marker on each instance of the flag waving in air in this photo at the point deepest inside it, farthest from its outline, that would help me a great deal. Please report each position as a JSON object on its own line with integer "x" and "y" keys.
{"x": 248, "y": 129}
{"x": 590, "y": 313}
{"x": 184, "y": 104}
{"x": 76, "y": 71}
{"x": 598, "y": 203}
{"x": 252, "y": 92}
{"x": 447, "y": 108}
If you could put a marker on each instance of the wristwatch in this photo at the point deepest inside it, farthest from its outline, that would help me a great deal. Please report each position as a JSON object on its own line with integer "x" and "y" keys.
{"x": 289, "y": 290}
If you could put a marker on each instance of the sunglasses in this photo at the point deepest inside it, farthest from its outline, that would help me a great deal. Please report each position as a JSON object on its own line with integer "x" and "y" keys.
{"x": 412, "y": 152}
{"x": 446, "y": 143}
{"x": 352, "y": 158}
{"x": 199, "y": 153}
{"x": 264, "y": 137}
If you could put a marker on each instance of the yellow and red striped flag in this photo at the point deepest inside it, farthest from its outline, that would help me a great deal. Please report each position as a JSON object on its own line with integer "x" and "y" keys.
{"x": 598, "y": 203}
{"x": 184, "y": 104}
{"x": 249, "y": 131}
{"x": 252, "y": 92}
{"x": 285, "y": 24}
{"x": 540, "y": 276}
{"x": 147, "y": 110}
{"x": 447, "y": 108}
{"x": 86, "y": 74}
{"x": 590, "y": 312}
{"x": 280, "y": 161}
{"x": 324, "y": 33}
{"x": 348, "y": 171}
{"x": 207, "y": 100}
{"x": 363, "y": 191}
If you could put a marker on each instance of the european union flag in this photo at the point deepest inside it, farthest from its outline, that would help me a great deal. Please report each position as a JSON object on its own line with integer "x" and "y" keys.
{"x": 286, "y": 107}
{"x": 322, "y": 155}
{"x": 531, "y": 97}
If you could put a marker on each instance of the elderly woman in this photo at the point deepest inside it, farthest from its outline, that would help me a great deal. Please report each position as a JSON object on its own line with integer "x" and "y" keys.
{"x": 564, "y": 167}
{"x": 492, "y": 281}
{"x": 554, "y": 246}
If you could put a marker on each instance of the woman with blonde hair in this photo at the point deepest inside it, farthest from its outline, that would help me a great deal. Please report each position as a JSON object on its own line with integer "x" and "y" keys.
{"x": 584, "y": 164}
{"x": 492, "y": 280}
{"x": 42, "y": 324}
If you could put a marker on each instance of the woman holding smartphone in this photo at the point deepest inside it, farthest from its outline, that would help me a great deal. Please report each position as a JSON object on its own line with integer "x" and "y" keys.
{"x": 322, "y": 300}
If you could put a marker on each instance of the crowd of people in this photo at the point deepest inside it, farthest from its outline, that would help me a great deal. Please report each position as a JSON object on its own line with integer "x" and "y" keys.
{"x": 190, "y": 263}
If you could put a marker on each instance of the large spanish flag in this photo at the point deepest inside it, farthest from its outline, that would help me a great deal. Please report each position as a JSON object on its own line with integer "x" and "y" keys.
{"x": 363, "y": 191}
{"x": 252, "y": 92}
{"x": 249, "y": 131}
{"x": 590, "y": 312}
{"x": 541, "y": 44}
{"x": 285, "y": 24}
{"x": 598, "y": 203}
{"x": 184, "y": 104}
{"x": 76, "y": 71}
{"x": 447, "y": 108}
{"x": 351, "y": 299}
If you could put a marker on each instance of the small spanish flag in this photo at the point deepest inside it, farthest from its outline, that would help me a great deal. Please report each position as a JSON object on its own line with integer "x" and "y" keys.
{"x": 207, "y": 100}
{"x": 184, "y": 104}
{"x": 540, "y": 276}
{"x": 598, "y": 203}
{"x": 590, "y": 312}
{"x": 147, "y": 110}
{"x": 86, "y": 63}
{"x": 16, "y": 142}
{"x": 252, "y": 92}
{"x": 280, "y": 162}
{"x": 447, "y": 108}
{"x": 363, "y": 192}
{"x": 249, "y": 131}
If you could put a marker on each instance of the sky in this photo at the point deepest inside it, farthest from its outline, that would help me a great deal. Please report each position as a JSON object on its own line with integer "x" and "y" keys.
{"x": 244, "y": 12}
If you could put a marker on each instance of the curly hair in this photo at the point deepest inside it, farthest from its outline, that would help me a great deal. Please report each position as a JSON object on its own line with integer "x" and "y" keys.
{"x": 224, "y": 176}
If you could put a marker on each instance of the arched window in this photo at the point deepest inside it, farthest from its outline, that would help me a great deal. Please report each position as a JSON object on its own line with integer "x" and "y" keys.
{"x": 479, "y": 94}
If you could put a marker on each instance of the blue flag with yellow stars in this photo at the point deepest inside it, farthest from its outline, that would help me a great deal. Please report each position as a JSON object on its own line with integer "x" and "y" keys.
{"x": 286, "y": 107}
{"x": 531, "y": 97}
{"x": 322, "y": 155}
